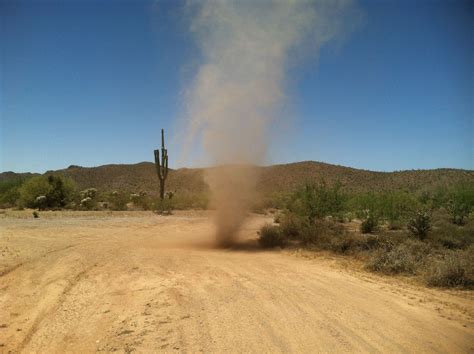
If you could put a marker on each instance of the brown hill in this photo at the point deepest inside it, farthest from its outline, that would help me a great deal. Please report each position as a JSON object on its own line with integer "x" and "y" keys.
{"x": 274, "y": 179}
{"x": 289, "y": 176}
{"x": 13, "y": 176}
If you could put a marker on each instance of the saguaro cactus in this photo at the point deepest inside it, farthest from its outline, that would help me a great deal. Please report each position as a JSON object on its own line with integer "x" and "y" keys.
{"x": 162, "y": 168}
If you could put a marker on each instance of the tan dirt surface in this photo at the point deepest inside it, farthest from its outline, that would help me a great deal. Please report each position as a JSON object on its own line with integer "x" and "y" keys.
{"x": 86, "y": 282}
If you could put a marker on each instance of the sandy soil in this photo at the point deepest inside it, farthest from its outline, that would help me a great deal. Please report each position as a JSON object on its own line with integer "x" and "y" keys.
{"x": 84, "y": 282}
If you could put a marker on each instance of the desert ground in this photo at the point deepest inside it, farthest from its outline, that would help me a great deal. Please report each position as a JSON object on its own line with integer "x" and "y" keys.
{"x": 136, "y": 281}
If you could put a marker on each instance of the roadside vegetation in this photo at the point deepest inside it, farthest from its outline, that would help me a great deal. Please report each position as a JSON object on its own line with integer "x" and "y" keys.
{"x": 429, "y": 235}
{"x": 56, "y": 191}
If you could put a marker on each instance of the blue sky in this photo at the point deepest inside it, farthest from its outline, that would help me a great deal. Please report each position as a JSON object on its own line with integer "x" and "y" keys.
{"x": 92, "y": 82}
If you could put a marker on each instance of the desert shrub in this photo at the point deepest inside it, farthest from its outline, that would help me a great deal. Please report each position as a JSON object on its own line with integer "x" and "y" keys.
{"x": 10, "y": 197}
{"x": 35, "y": 214}
{"x": 452, "y": 236}
{"x": 183, "y": 201}
{"x": 455, "y": 268}
{"x": 141, "y": 200}
{"x": 32, "y": 189}
{"x": 397, "y": 207}
{"x": 396, "y": 224}
{"x": 118, "y": 201}
{"x": 371, "y": 242}
{"x": 317, "y": 200}
{"x": 461, "y": 204}
{"x": 10, "y": 192}
{"x": 163, "y": 207}
{"x": 322, "y": 234}
{"x": 332, "y": 236}
{"x": 394, "y": 207}
{"x": 276, "y": 200}
{"x": 88, "y": 199}
{"x": 61, "y": 192}
{"x": 292, "y": 225}
{"x": 317, "y": 233}
{"x": 359, "y": 203}
{"x": 349, "y": 216}
{"x": 87, "y": 203}
{"x": 440, "y": 218}
{"x": 58, "y": 191}
{"x": 41, "y": 202}
{"x": 277, "y": 218}
{"x": 345, "y": 242}
{"x": 370, "y": 221}
{"x": 271, "y": 236}
{"x": 88, "y": 193}
{"x": 348, "y": 242}
{"x": 434, "y": 198}
{"x": 420, "y": 224}
{"x": 394, "y": 258}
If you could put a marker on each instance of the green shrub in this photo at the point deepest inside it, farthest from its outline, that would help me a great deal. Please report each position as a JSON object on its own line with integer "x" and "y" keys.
{"x": 461, "y": 204}
{"x": 455, "y": 268}
{"x": 276, "y": 200}
{"x": 369, "y": 223}
{"x": 10, "y": 192}
{"x": 317, "y": 201}
{"x": 118, "y": 201}
{"x": 32, "y": 189}
{"x": 322, "y": 234}
{"x": 41, "y": 202}
{"x": 88, "y": 199}
{"x": 397, "y": 207}
{"x": 271, "y": 236}
{"x": 88, "y": 203}
{"x": 88, "y": 193}
{"x": 434, "y": 198}
{"x": 420, "y": 224}
{"x": 141, "y": 200}
{"x": 405, "y": 257}
{"x": 61, "y": 192}
{"x": 58, "y": 191}
{"x": 360, "y": 203}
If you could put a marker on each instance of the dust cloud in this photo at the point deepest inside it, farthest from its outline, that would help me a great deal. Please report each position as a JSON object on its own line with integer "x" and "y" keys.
{"x": 247, "y": 49}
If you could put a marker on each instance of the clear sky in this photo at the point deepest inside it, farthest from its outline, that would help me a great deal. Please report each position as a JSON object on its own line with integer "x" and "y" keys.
{"x": 92, "y": 82}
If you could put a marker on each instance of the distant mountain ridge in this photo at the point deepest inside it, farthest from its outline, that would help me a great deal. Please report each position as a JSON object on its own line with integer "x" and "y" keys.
{"x": 273, "y": 179}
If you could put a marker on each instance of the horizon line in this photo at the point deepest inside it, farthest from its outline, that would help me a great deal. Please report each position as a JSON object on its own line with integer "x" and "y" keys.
{"x": 256, "y": 165}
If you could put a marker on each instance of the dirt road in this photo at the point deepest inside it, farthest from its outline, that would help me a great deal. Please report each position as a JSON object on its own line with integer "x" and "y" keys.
{"x": 83, "y": 283}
